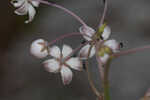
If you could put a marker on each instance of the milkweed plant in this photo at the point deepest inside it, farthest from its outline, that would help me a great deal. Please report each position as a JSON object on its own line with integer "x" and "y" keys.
{"x": 97, "y": 44}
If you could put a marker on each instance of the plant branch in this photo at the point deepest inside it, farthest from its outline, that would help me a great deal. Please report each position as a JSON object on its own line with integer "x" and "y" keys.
{"x": 103, "y": 15}
{"x": 104, "y": 71}
{"x": 131, "y": 51}
{"x": 63, "y": 36}
{"x": 91, "y": 81}
{"x": 100, "y": 65}
{"x": 97, "y": 93}
{"x": 64, "y": 9}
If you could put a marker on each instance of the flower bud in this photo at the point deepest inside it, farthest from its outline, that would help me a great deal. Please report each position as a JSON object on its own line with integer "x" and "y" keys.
{"x": 39, "y": 48}
{"x": 87, "y": 32}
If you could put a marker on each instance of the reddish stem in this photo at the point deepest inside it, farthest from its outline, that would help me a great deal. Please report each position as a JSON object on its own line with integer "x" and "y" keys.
{"x": 104, "y": 13}
{"x": 63, "y": 36}
{"x": 130, "y": 51}
{"x": 100, "y": 64}
{"x": 64, "y": 9}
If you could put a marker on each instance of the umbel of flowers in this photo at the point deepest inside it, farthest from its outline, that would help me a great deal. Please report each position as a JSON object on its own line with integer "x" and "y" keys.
{"x": 97, "y": 43}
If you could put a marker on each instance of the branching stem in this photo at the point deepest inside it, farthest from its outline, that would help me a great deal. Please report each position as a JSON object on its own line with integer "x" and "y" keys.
{"x": 64, "y": 9}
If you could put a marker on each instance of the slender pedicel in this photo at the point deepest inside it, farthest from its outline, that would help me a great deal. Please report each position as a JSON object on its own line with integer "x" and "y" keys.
{"x": 130, "y": 51}
{"x": 100, "y": 66}
{"x": 103, "y": 16}
{"x": 64, "y": 9}
{"x": 95, "y": 90}
{"x": 63, "y": 36}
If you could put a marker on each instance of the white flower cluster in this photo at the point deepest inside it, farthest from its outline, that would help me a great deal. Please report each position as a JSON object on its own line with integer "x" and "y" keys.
{"x": 88, "y": 34}
{"x": 61, "y": 62}
{"x": 25, "y": 7}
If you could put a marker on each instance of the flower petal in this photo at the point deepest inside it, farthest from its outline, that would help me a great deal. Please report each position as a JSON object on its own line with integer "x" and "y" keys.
{"x": 31, "y": 13}
{"x": 106, "y": 33}
{"x": 87, "y": 32}
{"x": 75, "y": 63}
{"x": 17, "y": 3}
{"x": 104, "y": 58}
{"x": 66, "y": 75}
{"x": 36, "y": 48}
{"x": 66, "y": 50}
{"x": 35, "y": 3}
{"x": 23, "y": 10}
{"x": 83, "y": 53}
{"x": 52, "y": 65}
{"x": 112, "y": 44}
{"x": 55, "y": 52}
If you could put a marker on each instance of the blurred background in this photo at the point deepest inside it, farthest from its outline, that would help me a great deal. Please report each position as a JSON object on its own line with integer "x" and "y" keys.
{"x": 22, "y": 76}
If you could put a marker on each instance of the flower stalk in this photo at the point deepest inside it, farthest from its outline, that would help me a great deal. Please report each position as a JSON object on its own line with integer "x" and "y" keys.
{"x": 131, "y": 51}
{"x": 97, "y": 93}
{"x": 64, "y": 36}
{"x": 64, "y": 9}
{"x": 106, "y": 79}
{"x": 103, "y": 15}
{"x": 94, "y": 89}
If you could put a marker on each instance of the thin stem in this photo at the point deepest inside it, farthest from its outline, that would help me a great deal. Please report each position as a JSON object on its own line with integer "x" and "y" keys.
{"x": 131, "y": 51}
{"x": 104, "y": 72}
{"x": 100, "y": 66}
{"x": 91, "y": 81}
{"x": 64, "y": 9}
{"x": 63, "y": 36}
{"x": 97, "y": 93}
{"x": 106, "y": 80}
{"x": 104, "y": 13}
